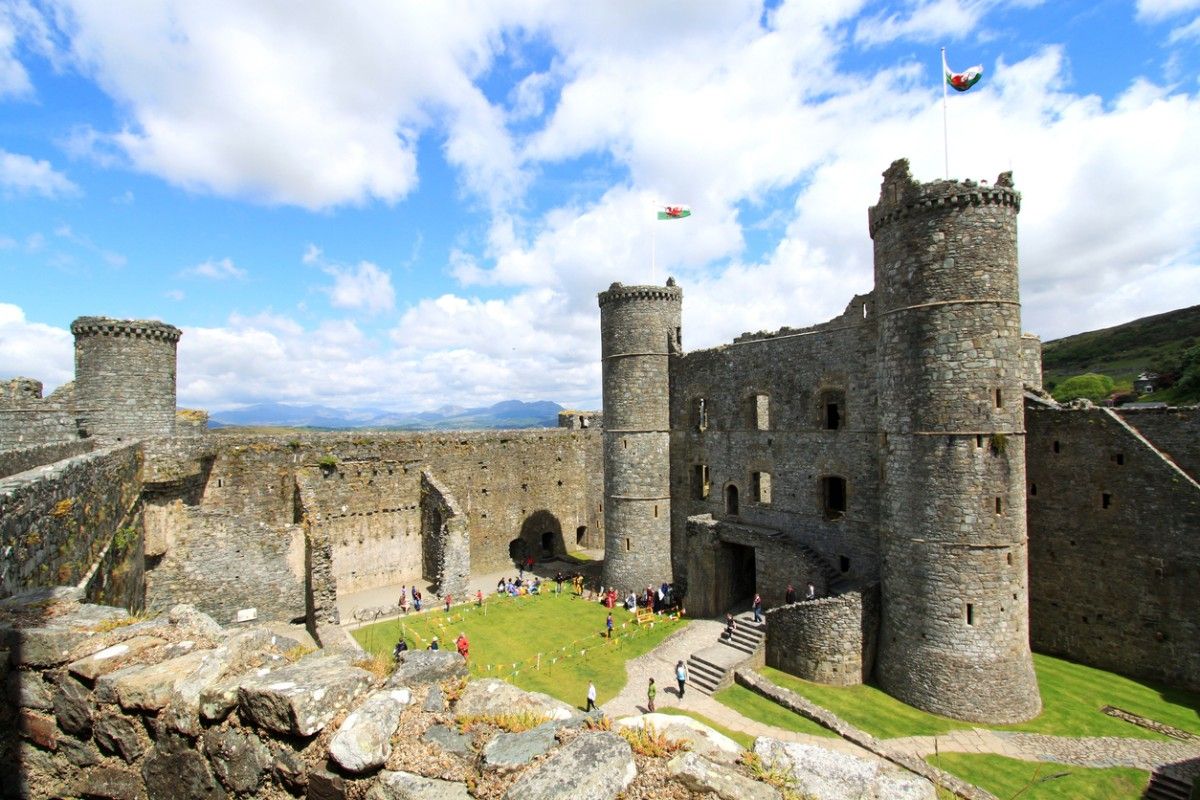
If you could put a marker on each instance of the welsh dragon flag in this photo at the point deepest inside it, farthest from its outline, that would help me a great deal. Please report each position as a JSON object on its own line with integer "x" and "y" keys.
{"x": 961, "y": 81}
{"x": 674, "y": 212}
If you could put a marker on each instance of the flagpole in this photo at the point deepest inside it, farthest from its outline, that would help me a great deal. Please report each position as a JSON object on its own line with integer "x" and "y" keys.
{"x": 653, "y": 249}
{"x": 945, "y": 124}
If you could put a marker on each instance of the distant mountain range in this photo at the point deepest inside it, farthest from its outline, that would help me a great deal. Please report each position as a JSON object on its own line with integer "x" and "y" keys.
{"x": 507, "y": 414}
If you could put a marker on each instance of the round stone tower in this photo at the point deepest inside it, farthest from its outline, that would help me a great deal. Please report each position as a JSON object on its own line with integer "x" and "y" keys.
{"x": 954, "y": 637}
{"x": 125, "y": 377}
{"x": 639, "y": 332}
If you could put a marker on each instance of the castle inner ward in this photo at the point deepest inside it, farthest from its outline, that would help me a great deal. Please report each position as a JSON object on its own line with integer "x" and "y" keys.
{"x": 900, "y": 457}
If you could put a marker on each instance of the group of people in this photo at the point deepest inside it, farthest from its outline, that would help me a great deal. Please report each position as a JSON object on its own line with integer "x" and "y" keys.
{"x": 417, "y": 597}
{"x": 681, "y": 677}
{"x": 462, "y": 644}
{"x": 518, "y": 587}
{"x": 657, "y": 600}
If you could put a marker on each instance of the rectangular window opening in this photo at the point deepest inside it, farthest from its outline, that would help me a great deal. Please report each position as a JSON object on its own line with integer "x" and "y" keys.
{"x": 979, "y": 440}
{"x": 760, "y": 411}
{"x": 1106, "y": 500}
{"x": 834, "y": 492}
{"x": 1057, "y": 447}
{"x": 999, "y": 399}
{"x": 998, "y": 506}
{"x": 656, "y": 512}
{"x": 844, "y": 563}
{"x": 833, "y": 416}
{"x": 1119, "y": 459}
{"x": 761, "y": 485}
{"x": 1033, "y": 489}
{"x": 628, "y": 544}
{"x": 700, "y": 482}
{"x": 701, "y": 414}
{"x": 970, "y": 613}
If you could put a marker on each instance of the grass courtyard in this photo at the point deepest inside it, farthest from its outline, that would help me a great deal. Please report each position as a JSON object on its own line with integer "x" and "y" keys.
{"x": 544, "y": 643}
{"x": 1072, "y": 695}
{"x": 1033, "y": 780}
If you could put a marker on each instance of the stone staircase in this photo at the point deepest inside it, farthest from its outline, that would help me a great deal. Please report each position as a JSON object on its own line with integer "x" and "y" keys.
{"x": 1167, "y": 787}
{"x": 712, "y": 668}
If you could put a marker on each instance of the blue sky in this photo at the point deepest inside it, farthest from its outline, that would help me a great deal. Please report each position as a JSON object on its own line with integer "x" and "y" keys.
{"x": 409, "y": 204}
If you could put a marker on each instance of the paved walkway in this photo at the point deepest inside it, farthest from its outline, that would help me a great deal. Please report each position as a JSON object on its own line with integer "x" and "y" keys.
{"x": 660, "y": 663}
{"x": 1084, "y": 751}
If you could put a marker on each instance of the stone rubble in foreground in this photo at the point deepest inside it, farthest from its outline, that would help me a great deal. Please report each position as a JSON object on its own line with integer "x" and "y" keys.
{"x": 101, "y": 705}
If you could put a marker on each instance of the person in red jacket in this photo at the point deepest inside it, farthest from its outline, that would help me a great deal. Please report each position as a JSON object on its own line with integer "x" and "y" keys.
{"x": 464, "y": 647}
{"x": 448, "y": 599}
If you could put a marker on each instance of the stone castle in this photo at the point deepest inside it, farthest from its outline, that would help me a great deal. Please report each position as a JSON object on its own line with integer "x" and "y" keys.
{"x": 901, "y": 457}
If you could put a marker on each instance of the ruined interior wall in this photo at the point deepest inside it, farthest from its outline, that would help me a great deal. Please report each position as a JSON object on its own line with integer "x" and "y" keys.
{"x": 829, "y": 640}
{"x": 1175, "y": 431}
{"x": 797, "y": 371}
{"x": 54, "y": 522}
{"x": 364, "y": 506}
{"x": 447, "y": 542}
{"x": 19, "y": 460}
{"x": 27, "y": 419}
{"x": 1112, "y": 587}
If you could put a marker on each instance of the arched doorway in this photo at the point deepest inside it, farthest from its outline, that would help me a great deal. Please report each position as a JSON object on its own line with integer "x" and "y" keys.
{"x": 731, "y": 500}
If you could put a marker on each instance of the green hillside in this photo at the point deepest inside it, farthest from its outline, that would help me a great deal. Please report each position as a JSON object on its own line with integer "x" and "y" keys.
{"x": 1158, "y": 344}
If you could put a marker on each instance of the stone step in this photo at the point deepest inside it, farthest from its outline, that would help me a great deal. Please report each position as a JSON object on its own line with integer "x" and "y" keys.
{"x": 747, "y": 647}
{"x": 702, "y": 669}
{"x": 1166, "y": 787}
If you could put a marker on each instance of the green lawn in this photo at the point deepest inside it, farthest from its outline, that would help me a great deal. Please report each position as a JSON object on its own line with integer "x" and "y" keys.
{"x": 744, "y": 739}
{"x": 1072, "y": 695}
{"x": 1032, "y": 780}
{"x": 548, "y": 643}
{"x": 755, "y": 706}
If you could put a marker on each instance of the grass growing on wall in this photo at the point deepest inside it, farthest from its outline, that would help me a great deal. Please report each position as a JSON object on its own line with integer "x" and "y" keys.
{"x": 1033, "y": 780}
{"x": 1072, "y": 695}
{"x": 546, "y": 643}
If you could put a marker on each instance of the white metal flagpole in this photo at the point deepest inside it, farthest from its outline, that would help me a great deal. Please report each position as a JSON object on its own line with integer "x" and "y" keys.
{"x": 945, "y": 125}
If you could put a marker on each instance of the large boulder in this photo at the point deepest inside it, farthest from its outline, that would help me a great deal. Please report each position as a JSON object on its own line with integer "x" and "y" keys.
{"x": 363, "y": 742}
{"x": 422, "y": 667}
{"x": 707, "y": 777}
{"x": 149, "y": 687}
{"x": 508, "y": 751}
{"x": 180, "y": 776}
{"x": 492, "y": 696}
{"x": 407, "y": 786}
{"x": 302, "y": 698}
{"x": 592, "y": 766}
{"x": 700, "y": 738}
{"x": 824, "y": 774}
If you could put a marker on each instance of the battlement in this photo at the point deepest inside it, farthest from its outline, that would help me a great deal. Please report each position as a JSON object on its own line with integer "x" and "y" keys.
{"x": 902, "y": 196}
{"x": 139, "y": 328}
{"x": 618, "y": 292}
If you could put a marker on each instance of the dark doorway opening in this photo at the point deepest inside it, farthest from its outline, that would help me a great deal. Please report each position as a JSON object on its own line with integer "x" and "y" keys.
{"x": 737, "y": 575}
{"x": 581, "y": 535}
{"x": 547, "y": 544}
{"x": 731, "y": 500}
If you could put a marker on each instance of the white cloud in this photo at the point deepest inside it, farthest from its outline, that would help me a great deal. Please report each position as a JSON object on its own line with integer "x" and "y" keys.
{"x": 174, "y": 294}
{"x": 1183, "y": 33}
{"x": 25, "y": 175}
{"x": 1155, "y": 10}
{"x": 365, "y": 286}
{"x": 221, "y": 270}
{"x": 275, "y": 106}
{"x": 34, "y": 349}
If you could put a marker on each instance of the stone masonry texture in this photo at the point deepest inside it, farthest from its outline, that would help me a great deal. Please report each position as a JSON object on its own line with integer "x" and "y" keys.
{"x": 639, "y": 334}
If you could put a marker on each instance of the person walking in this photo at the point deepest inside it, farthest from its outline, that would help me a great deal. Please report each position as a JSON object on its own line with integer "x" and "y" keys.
{"x": 651, "y": 690}
{"x": 479, "y": 597}
{"x": 757, "y": 607}
{"x": 448, "y": 601}
{"x": 404, "y": 600}
{"x": 681, "y": 676}
{"x": 591, "y": 697}
{"x": 789, "y": 596}
{"x": 417, "y": 599}
{"x": 608, "y": 623}
{"x": 811, "y": 594}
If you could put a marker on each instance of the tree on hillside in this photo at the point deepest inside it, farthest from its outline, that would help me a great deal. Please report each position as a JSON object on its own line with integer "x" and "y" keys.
{"x": 1091, "y": 386}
